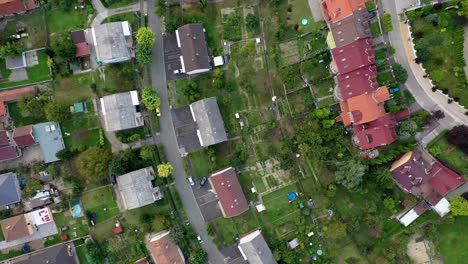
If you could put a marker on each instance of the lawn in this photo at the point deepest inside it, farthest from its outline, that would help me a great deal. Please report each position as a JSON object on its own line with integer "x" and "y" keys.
{"x": 454, "y": 158}
{"x": 78, "y": 226}
{"x": 301, "y": 10}
{"x": 118, "y": 3}
{"x": 452, "y": 242}
{"x": 101, "y": 202}
{"x": 76, "y": 88}
{"x": 36, "y": 73}
{"x": 134, "y": 217}
{"x": 19, "y": 119}
{"x": 84, "y": 131}
{"x": 230, "y": 229}
{"x": 102, "y": 231}
{"x": 277, "y": 203}
{"x": 61, "y": 20}
{"x": 200, "y": 163}
{"x": 132, "y": 17}
{"x": 34, "y": 24}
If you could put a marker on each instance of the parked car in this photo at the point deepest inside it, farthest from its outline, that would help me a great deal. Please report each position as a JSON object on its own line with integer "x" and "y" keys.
{"x": 113, "y": 179}
{"x": 15, "y": 36}
{"x": 191, "y": 181}
{"x": 20, "y": 30}
{"x": 64, "y": 228}
{"x": 158, "y": 111}
{"x": 179, "y": 71}
{"x": 203, "y": 181}
{"x": 199, "y": 239}
{"x": 394, "y": 90}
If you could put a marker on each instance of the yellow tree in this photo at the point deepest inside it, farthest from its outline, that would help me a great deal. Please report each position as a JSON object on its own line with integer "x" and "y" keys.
{"x": 165, "y": 170}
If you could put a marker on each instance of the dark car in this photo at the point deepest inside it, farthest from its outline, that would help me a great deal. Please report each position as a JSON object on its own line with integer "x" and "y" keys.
{"x": 203, "y": 181}
{"x": 113, "y": 179}
{"x": 64, "y": 228}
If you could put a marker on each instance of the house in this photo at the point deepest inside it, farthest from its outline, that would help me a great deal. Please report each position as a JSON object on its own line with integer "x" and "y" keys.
{"x": 254, "y": 248}
{"x": 350, "y": 29}
{"x": 199, "y": 125}
{"x": 8, "y": 152}
{"x": 24, "y": 228}
{"x": 357, "y": 82}
{"x": 353, "y": 56}
{"x": 162, "y": 250}
{"x": 40, "y": 199}
{"x": 419, "y": 173}
{"x": 226, "y": 186}
{"x": 137, "y": 189}
{"x": 121, "y": 111}
{"x": 9, "y": 189}
{"x": 113, "y": 42}
{"x": 336, "y": 10}
{"x": 14, "y": 95}
{"x": 16, "y": 7}
{"x": 49, "y": 137}
{"x": 194, "y": 57}
{"x": 141, "y": 261}
{"x": 82, "y": 47}
{"x": 23, "y": 136}
{"x": 61, "y": 254}
{"x": 379, "y": 132}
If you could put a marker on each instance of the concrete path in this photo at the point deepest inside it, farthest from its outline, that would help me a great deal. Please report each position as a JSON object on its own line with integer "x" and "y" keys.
{"x": 168, "y": 139}
{"x": 103, "y": 12}
{"x": 316, "y": 10}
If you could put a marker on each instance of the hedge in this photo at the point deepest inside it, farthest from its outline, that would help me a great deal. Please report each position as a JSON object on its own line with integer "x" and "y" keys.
{"x": 387, "y": 23}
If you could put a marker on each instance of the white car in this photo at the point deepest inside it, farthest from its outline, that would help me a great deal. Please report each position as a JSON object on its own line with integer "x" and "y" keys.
{"x": 191, "y": 181}
{"x": 179, "y": 71}
{"x": 199, "y": 239}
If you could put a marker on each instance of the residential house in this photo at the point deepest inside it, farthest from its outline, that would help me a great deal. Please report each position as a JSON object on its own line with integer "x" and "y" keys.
{"x": 199, "y": 125}
{"x": 49, "y": 137}
{"x": 137, "y": 189}
{"x": 113, "y": 42}
{"x": 141, "y": 261}
{"x": 16, "y": 7}
{"x": 419, "y": 173}
{"x": 61, "y": 254}
{"x": 336, "y": 10}
{"x": 8, "y": 151}
{"x": 353, "y": 56}
{"x": 163, "y": 251}
{"x": 14, "y": 95}
{"x": 23, "y": 136}
{"x": 254, "y": 248}
{"x": 28, "y": 227}
{"x": 82, "y": 47}
{"x": 194, "y": 57}
{"x": 350, "y": 29}
{"x": 121, "y": 111}
{"x": 357, "y": 82}
{"x": 226, "y": 186}
{"x": 376, "y": 133}
{"x": 9, "y": 189}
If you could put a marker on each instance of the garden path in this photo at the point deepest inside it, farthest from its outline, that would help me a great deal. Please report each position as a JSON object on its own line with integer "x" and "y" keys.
{"x": 104, "y": 12}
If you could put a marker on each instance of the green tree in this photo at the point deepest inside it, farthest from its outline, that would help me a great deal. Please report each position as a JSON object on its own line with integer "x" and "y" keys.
{"x": 389, "y": 203}
{"x": 144, "y": 56}
{"x": 328, "y": 123}
{"x": 97, "y": 252}
{"x": 160, "y": 223}
{"x": 65, "y": 154}
{"x": 337, "y": 230}
{"x": 93, "y": 163}
{"x": 11, "y": 49}
{"x": 30, "y": 106}
{"x": 31, "y": 187}
{"x": 55, "y": 111}
{"x": 146, "y": 152}
{"x": 387, "y": 22}
{"x": 331, "y": 190}
{"x": 165, "y": 170}
{"x": 63, "y": 46}
{"x": 177, "y": 234}
{"x": 199, "y": 257}
{"x": 320, "y": 113}
{"x": 459, "y": 205}
{"x": 145, "y": 37}
{"x": 190, "y": 89}
{"x": 252, "y": 22}
{"x": 407, "y": 129}
{"x": 400, "y": 73}
{"x": 150, "y": 97}
{"x": 124, "y": 162}
{"x": 350, "y": 175}
{"x": 161, "y": 7}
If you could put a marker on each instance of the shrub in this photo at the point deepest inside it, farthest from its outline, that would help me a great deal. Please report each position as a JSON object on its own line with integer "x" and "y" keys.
{"x": 400, "y": 73}
{"x": 370, "y": 5}
{"x": 458, "y": 136}
{"x": 436, "y": 40}
{"x": 130, "y": 135}
{"x": 289, "y": 76}
{"x": 375, "y": 29}
{"x": 252, "y": 22}
{"x": 387, "y": 23}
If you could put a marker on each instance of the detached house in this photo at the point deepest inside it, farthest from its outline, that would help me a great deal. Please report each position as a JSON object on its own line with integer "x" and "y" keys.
{"x": 113, "y": 42}
{"x": 16, "y": 7}
{"x": 194, "y": 57}
{"x": 9, "y": 189}
{"x": 163, "y": 251}
{"x": 121, "y": 111}
{"x": 255, "y": 249}
{"x": 82, "y": 47}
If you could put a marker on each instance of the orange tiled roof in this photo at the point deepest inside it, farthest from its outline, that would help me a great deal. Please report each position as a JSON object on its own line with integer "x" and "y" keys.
{"x": 335, "y": 10}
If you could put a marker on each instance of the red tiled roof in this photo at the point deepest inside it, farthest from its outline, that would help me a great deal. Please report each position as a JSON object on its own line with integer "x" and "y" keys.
{"x": 141, "y": 261}
{"x": 335, "y": 10}
{"x": 360, "y": 81}
{"x": 377, "y": 133}
{"x": 4, "y": 139}
{"x": 14, "y": 95}
{"x": 445, "y": 180}
{"x": 82, "y": 50}
{"x": 354, "y": 56}
{"x": 229, "y": 191}
{"x": 403, "y": 114}
{"x": 8, "y": 152}
{"x": 23, "y": 136}
{"x": 164, "y": 251}
{"x": 8, "y": 7}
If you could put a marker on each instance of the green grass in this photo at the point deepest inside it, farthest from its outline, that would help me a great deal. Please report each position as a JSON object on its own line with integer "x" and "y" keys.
{"x": 36, "y": 73}
{"x": 101, "y": 202}
{"x": 83, "y": 129}
{"x": 200, "y": 163}
{"x": 61, "y": 20}
{"x": 452, "y": 242}
{"x": 385, "y": 78}
{"x": 259, "y": 185}
{"x": 2, "y": 237}
{"x": 132, "y": 17}
{"x": 161, "y": 208}
{"x": 301, "y": 10}
{"x": 277, "y": 203}
{"x": 76, "y": 88}
{"x": 102, "y": 231}
{"x": 77, "y": 225}
{"x": 19, "y": 119}
{"x": 38, "y": 38}
{"x": 81, "y": 253}
{"x": 230, "y": 229}
{"x": 455, "y": 158}
{"x": 11, "y": 254}
{"x": 375, "y": 29}
{"x": 118, "y": 3}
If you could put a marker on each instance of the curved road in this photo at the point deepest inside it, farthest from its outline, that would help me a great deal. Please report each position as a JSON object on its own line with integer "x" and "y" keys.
{"x": 104, "y": 12}
{"x": 168, "y": 139}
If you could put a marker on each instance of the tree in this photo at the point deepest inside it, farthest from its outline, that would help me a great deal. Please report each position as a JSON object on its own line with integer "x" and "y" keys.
{"x": 65, "y": 154}
{"x": 350, "y": 175}
{"x": 190, "y": 89}
{"x": 146, "y": 152}
{"x": 248, "y": 49}
{"x": 289, "y": 76}
{"x": 199, "y": 257}
{"x": 145, "y": 37}
{"x": 97, "y": 252}
{"x": 387, "y": 22}
{"x": 407, "y": 129}
{"x": 165, "y": 170}
{"x": 177, "y": 234}
{"x": 320, "y": 113}
{"x": 31, "y": 187}
{"x": 124, "y": 162}
{"x": 337, "y": 230}
{"x": 63, "y": 46}
{"x": 458, "y": 136}
{"x": 160, "y": 223}
{"x": 144, "y": 56}
{"x": 150, "y": 97}
{"x": 93, "y": 163}
{"x": 389, "y": 203}
{"x": 328, "y": 123}
{"x": 11, "y": 49}
{"x": 161, "y": 7}
{"x": 30, "y": 106}
{"x": 400, "y": 73}
{"x": 252, "y": 22}
{"x": 57, "y": 112}
{"x": 459, "y": 205}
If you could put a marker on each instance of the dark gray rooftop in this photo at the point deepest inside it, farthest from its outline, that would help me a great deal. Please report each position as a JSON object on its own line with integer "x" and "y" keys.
{"x": 53, "y": 255}
{"x": 120, "y": 111}
{"x": 194, "y": 47}
{"x": 9, "y": 189}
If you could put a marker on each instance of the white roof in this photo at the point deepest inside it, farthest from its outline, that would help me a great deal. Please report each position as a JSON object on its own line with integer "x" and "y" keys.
{"x": 409, "y": 217}
{"x": 218, "y": 61}
{"x": 41, "y": 216}
{"x": 126, "y": 28}
{"x": 442, "y": 207}
{"x": 260, "y": 208}
{"x": 134, "y": 95}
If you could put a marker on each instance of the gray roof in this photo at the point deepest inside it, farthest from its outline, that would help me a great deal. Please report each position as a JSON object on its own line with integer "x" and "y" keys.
{"x": 53, "y": 255}
{"x": 255, "y": 249}
{"x": 136, "y": 188}
{"x": 113, "y": 42}
{"x": 9, "y": 189}
{"x": 16, "y": 62}
{"x": 120, "y": 111}
{"x": 194, "y": 47}
{"x": 210, "y": 122}
{"x": 50, "y": 140}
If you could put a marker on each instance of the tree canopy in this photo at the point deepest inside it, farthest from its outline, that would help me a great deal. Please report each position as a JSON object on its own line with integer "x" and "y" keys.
{"x": 458, "y": 136}
{"x": 165, "y": 170}
{"x": 150, "y": 97}
{"x": 57, "y": 112}
{"x": 10, "y": 49}
{"x": 31, "y": 187}
{"x": 407, "y": 129}
{"x": 144, "y": 56}
{"x": 252, "y": 22}
{"x": 93, "y": 163}
{"x": 63, "y": 46}
{"x": 145, "y": 37}
{"x": 337, "y": 230}
{"x": 350, "y": 175}
{"x": 459, "y": 205}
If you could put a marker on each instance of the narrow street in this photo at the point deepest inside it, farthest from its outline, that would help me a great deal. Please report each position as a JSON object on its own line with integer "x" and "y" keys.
{"x": 168, "y": 139}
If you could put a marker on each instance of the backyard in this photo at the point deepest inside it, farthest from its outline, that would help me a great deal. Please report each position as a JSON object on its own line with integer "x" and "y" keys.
{"x": 59, "y": 19}
{"x": 100, "y": 201}
{"x": 35, "y": 73}
{"x": 230, "y": 229}
{"x": 19, "y": 119}
{"x": 450, "y": 155}
{"x": 200, "y": 163}
{"x": 34, "y": 24}
{"x": 84, "y": 130}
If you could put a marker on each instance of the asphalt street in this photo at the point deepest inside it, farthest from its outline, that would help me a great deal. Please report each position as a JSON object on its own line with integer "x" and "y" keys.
{"x": 168, "y": 139}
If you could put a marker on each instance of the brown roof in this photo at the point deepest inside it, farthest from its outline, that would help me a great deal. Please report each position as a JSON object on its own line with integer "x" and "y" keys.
{"x": 194, "y": 47}
{"x": 229, "y": 191}
{"x": 15, "y": 228}
{"x": 163, "y": 250}
{"x": 14, "y": 95}
{"x": 78, "y": 36}
{"x": 23, "y": 136}
{"x": 4, "y": 139}
{"x": 8, "y": 152}
{"x": 8, "y": 7}
{"x": 141, "y": 261}
{"x": 351, "y": 28}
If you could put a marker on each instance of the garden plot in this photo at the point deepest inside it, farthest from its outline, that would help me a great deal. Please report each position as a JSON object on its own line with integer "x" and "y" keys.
{"x": 232, "y": 24}
{"x": 34, "y": 25}
{"x": 271, "y": 174}
{"x": 290, "y": 52}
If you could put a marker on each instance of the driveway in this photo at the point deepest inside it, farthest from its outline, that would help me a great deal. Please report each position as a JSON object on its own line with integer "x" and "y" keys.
{"x": 168, "y": 138}
{"x": 31, "y": 154}
{"x": 103, "y": 12}
{"x": 316, "y": 9}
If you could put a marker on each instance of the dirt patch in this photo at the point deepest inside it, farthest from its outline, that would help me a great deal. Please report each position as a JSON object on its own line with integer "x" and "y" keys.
{"x": 290, "y": 52}
{"x": 419, "y": 250}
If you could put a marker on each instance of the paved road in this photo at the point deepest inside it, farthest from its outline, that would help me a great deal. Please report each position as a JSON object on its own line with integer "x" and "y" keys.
{"x": 168, "y": 139}
{"x": 419, "y": 86}
{"x": 103, "y": 12}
